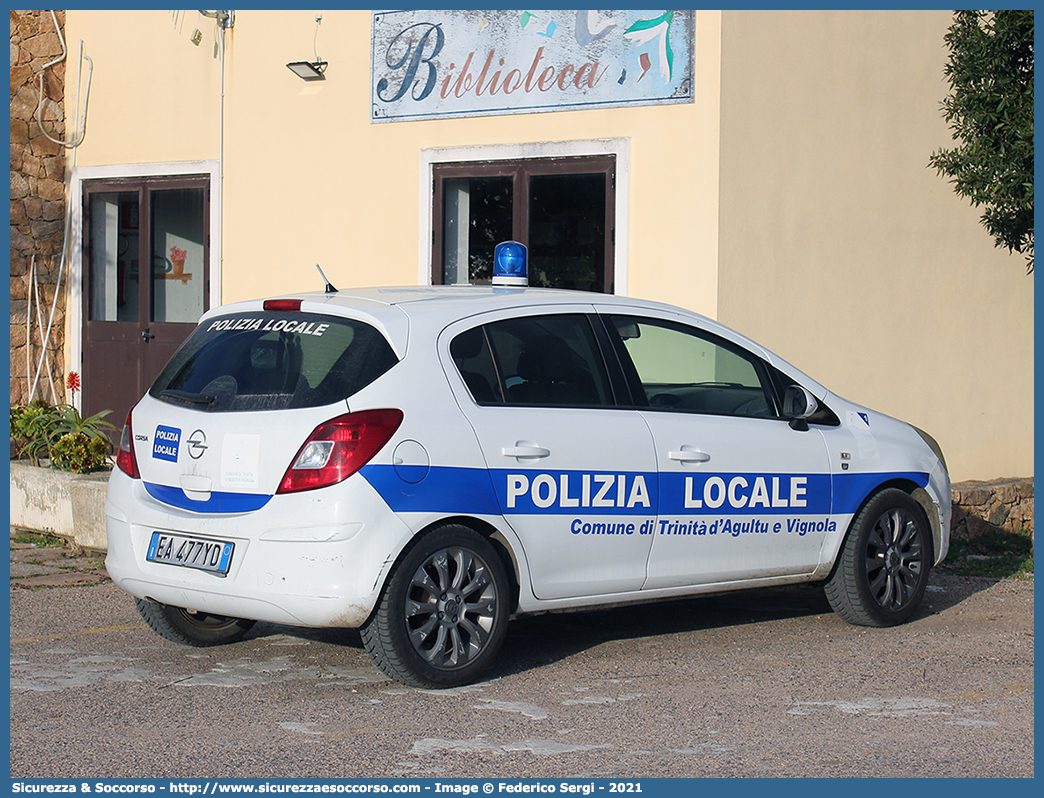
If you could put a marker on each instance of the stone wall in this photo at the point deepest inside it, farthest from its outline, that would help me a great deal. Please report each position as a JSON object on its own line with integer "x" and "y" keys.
{"x": 998, "y": 505}
{"x": 37, "y": 200}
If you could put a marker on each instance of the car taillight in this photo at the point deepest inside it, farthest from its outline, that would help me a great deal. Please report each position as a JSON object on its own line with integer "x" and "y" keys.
{"x": 338, "y": 448}
{"x": 125, "y": 459}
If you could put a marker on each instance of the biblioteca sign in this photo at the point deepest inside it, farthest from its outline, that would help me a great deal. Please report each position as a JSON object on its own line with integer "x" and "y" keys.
{"x": 438, "y": 64}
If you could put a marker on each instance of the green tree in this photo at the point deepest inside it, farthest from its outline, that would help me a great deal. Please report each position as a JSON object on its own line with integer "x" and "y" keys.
{"x": 990, "y": 111}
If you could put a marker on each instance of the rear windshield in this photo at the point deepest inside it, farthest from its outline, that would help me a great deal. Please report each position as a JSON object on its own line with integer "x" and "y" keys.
{"x": 273, "y": 361}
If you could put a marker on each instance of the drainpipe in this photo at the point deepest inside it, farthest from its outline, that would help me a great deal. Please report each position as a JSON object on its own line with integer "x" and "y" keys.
{"x": 225, "y": 20}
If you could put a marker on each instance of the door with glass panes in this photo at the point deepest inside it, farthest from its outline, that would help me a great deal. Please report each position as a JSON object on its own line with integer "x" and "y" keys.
{"x": 562, "y": 209}
{"x": 146, "y": 276}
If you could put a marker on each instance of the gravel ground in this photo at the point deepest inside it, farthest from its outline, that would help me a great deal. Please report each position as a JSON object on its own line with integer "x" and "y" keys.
{"x": 764, "y": 683}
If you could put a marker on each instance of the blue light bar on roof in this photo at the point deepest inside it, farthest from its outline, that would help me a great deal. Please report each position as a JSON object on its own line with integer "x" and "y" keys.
{"x": 510, "y": 264}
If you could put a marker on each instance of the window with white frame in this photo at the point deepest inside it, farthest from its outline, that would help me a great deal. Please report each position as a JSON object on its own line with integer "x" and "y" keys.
{"x": 561, "y": 208}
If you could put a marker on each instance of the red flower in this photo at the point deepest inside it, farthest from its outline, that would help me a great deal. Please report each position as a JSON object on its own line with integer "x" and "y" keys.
{"x": 72, "y": 382}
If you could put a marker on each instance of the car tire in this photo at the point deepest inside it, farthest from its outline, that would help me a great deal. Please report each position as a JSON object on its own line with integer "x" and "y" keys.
{"x": 191, "y": 628}
{"x": 882, "y": 570}
{"x": 443, "y": 612}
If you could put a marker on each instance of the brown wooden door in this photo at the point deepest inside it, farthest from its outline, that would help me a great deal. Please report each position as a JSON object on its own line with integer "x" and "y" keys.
{"x": 146, "y": 281}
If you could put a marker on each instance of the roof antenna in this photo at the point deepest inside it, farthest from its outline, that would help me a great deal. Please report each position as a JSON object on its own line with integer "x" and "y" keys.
{"x": 329, "y": 286}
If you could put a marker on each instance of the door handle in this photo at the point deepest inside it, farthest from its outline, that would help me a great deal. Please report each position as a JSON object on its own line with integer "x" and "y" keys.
{"x": 689, "y": 456}
{"x": 147, "y": 335}
{"x": 525, "y": 450}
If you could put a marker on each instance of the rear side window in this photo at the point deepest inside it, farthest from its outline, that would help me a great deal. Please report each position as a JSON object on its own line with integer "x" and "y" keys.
{"x": 273, "y": 361}
{"x": 539, "y": 361}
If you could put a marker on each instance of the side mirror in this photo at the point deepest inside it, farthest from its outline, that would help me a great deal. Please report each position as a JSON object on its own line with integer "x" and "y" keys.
{"x": 798, "y": 406}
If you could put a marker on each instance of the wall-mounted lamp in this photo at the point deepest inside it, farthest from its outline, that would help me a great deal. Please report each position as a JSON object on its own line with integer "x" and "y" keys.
{"x": 310, "y": 70}
{"x": 226, "y": 19}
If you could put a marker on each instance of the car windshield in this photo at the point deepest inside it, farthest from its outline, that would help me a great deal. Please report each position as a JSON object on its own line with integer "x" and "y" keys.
{"x": 273, "y": 361}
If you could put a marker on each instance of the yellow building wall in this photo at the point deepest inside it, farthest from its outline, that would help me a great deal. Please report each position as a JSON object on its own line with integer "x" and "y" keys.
{"x": 153, "y": 95}
{"x": 792, "y": 200}
{"x": 841, "y": 249}
{"x": 308, "y": 179}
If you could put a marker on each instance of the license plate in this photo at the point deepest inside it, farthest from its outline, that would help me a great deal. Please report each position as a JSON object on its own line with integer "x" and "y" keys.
{"x": 206, "y": 555}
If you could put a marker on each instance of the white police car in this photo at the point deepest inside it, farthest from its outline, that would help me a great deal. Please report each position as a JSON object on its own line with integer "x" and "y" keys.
{"x": 424, "y": 463}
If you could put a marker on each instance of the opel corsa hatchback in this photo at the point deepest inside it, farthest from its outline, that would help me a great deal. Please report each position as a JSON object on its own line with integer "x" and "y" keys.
{"x": 425, "y": 463}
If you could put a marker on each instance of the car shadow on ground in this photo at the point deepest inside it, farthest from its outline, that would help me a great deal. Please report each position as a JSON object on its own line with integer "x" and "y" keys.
{"x": 538, "y": 640}
{"x": 534, "y": 641}
{"x": 553, "y": 636}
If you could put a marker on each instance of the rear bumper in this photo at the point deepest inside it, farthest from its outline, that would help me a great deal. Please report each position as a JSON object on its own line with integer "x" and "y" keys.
{"x": 311, "y": 559}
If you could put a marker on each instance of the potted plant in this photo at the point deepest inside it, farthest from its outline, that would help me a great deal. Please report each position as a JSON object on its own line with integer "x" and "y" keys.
{"x": 60, "y": 435}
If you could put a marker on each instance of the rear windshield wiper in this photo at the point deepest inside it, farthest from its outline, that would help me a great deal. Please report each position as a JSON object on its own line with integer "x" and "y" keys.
{"x": 198, "y": 399}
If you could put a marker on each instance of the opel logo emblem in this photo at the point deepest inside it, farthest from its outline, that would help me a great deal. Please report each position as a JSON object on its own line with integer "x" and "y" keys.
{"x": 197, "y": 444}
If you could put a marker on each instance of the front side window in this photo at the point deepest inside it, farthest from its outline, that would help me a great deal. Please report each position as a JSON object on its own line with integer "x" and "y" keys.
{"x": 681, "y": 369}
{"x": 537, "y": 361}
{"x": 273, "y": 361}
